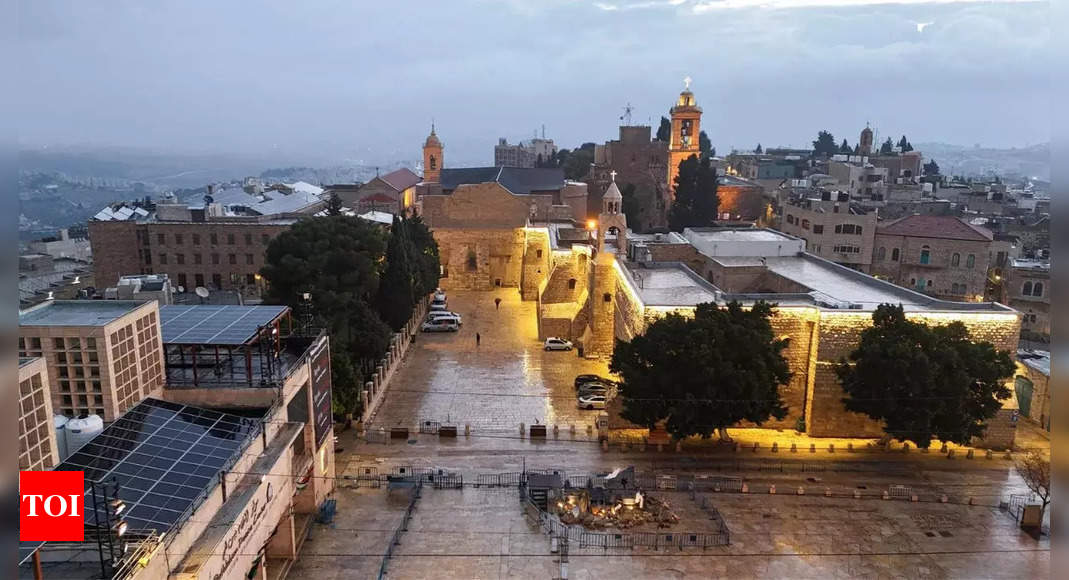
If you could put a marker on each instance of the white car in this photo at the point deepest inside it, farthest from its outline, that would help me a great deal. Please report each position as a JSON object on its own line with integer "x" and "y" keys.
{"x": 439, "y": 294}
{"x": 438, "y": 306}
{"x": 445, "y": 314}
{"x": 554, "y": 343}
{"x": 592, "y": 402}
{"x": 443, "y": 325}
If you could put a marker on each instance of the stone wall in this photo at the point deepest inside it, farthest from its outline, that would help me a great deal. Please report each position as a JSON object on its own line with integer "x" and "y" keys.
{"x": 602, "y": 302}
{"x": 483, "y": 206}
{"x": 569, "y": 277}
{"x": 480, "y": 259}
{"x": 537, "y": 264}
{"x": 684, "y": 253}
{"x": 908, "y": 270}
{"x": 741, "y": 202}
{"x": 1001, "y": 432}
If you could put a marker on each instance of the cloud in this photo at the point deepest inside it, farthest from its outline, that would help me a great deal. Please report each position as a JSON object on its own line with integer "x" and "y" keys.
{"x": 712, "y": 5}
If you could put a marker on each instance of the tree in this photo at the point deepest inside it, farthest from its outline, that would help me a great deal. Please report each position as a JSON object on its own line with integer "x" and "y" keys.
{"x": 931, "y": 168}
{"x": 397, "y": 290}
{"x": 345, "y": 385}
{"x": 696, "y": 201}
{"x": 845, "y": 147}
{"x": 703, "y": 374}
{"x": 334, "y": 204}
{"x": 664, "y": 130}
{"x": 1034, "y": 469}
{"x": 335, "y": 260}
{"x": 705, "y": 146}
{"x": 424, "y": 256}
{"x": 924, "y": 382}
{"x": 758, "y": 149}
{"x": 577, "y": 163}
{"x": 630, "y": 205}
{"x": 887, "y": 148}
{"x": 824, "y": 146}
{"x": 904, "y": 144}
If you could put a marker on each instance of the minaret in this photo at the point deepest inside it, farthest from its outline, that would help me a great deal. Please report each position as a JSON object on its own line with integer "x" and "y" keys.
{"x": 432, "y": 158}
{"x": 686, "y": 126}
{"x": 612, "y": 217}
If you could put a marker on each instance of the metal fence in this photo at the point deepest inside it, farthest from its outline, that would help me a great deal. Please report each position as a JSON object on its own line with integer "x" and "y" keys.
{"x": 1016, "y": 504}
{"x": 395, "y": 539}
{"x": 429, "y": 427}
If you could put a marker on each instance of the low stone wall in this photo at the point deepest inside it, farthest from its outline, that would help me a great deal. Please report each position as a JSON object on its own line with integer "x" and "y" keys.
{"x": 375, "y": 389}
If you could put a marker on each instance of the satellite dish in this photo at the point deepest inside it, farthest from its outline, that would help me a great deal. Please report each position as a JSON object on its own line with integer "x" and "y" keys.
{"x": 181, "y": 289}
{"x": 201, "y": 291}
{"x": 77, "y": 280}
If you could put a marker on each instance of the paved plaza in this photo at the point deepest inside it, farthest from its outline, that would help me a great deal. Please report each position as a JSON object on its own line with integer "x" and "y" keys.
{"x": 480, "y": 532}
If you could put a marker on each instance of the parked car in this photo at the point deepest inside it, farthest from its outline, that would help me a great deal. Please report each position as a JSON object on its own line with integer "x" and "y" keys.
{"x": 554, "y": 343}
{"x": 439, "y": 294}
{"x": 445, "y": 315}
{"x": 583, "y": 379}
{"x": 592, "y": 402}
{"x": 438, "y": 305}
{"x": 592, "y": 389}
{"x": 443, "y": 325}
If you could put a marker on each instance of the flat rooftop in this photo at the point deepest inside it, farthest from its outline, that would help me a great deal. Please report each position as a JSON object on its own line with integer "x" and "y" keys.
{"x": 670, "y": 284}
{"x": 740, "y": 235}
{"x": 215, "y": 325}
{"x": 77, "y": 312}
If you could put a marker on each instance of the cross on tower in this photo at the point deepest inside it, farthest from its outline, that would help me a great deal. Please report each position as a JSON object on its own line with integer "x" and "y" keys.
{"x": 686, "y": 81}
{"x": 613, "y": 175}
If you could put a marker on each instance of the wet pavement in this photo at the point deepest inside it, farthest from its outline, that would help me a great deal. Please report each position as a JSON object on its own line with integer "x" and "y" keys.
{"x": 482, "y": 532}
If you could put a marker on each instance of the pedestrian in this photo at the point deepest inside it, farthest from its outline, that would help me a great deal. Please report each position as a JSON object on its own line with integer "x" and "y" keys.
{"x": 478, "y": 339}
{"x": 497, "y": 304}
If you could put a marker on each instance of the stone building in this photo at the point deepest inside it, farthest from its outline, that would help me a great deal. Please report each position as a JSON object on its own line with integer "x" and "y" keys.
{"x": 937, "y": 255}
{"x": 103, "y": 357}
{"x": 1028, "y": 291}
{"x": 524, "y": 154}
{"x": 821, "y": 306}
{"x": 393, "y": 193}
{"x": 1032, "y": 386}
{"x": 864, "y": 181}
{"x": 38, "y": 449}
{"x": 639, "y": 162}
{"x": 832, "y": 226}
{"x": 686, "y": 129}
{"x": 742, "y": 200}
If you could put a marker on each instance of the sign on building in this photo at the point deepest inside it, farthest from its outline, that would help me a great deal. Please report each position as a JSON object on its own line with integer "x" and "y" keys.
{"x": 321, "y": 395}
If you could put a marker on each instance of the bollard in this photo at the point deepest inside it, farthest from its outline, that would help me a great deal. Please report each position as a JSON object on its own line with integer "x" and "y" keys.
{"x": 887, "y": 447}
{"x": 943, "y": 449}
{"x": 943, "y": 498}
{"x": 950, "y": 454}
{"x": 745, "y": 488}
{"x": 1008, "y": 455}
{"x": 969, "y": 454}
{"x": 801, "y": 490}
{"x": 589, "y": 429}
{"x": 772, "y": 489}
{"x": 827, "y": 492}
{"x": 831, "y": 448}
{"x": 794, "y": 448}
{"x": 755, "y": 446}
{"x": 857, "y": 494}
{"x": 736, "y": 446}
{"x": 812, "y": 447}
{"x": 886, "y": 494}
{"x": 990, "y": 454}
{"x": 572, "y": 429}
{"x": 467, "y": 429}
{"x": 905, "y": 447}
{"x": 604, "y": 444}
{"x": 679, "y": 446}
{"x": 556, "y": 431}
{"x": 849, "y": 447}
{"x": 775, "y": 447}
{"x": 913, "y": 498}
{"x": 522, "y": 434}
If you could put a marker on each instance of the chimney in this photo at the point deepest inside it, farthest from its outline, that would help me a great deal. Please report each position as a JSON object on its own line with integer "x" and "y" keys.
{"x": 64, "y": 234}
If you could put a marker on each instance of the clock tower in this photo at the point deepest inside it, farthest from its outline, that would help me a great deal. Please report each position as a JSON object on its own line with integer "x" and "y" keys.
{"x": 432, "y": 158}
{"x": 686, "y": 126}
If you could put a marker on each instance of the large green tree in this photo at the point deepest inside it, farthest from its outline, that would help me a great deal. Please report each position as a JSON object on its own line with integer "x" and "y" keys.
{"x": 703, "y": 374}
{"x": 931, "y": 168}
{"x": 825, "y": 145}
{"x": 334, "y": 204}
{"x": 705, "y": 146}
{"x": 630, "y": 205}
{"x": 924, "y": 382}
{"x": 845, "y": 148}
{"x": 424, "y": 256}
{"x": 664, "y": 130}
{"x": 696, "y": 201}
{"x": 888, "y": 147}
{"x": 397, "y": 296}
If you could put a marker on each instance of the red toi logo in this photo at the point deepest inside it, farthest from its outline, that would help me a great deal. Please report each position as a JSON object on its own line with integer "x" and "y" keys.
{"x": 51, "y": 506}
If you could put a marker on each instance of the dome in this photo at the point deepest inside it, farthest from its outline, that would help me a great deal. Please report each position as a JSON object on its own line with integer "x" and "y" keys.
{"x": 866, "y": 131}
{"x": 432, "y": 140}
{"x": 612, "y": 193}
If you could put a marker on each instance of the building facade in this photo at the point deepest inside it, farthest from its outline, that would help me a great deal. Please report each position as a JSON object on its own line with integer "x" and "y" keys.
{"x": 393, "y": 193}
{"x": 864, "y": 181}
{"x": 103, "y": 356}
{"x": 1028, "y": 291}
{"x": 832, "y": 227}
{"x": 937, "y": 255}
{"x": 641, "y": 164}
{"x": 38, "y": 448}
{"x": 531, "y": 153}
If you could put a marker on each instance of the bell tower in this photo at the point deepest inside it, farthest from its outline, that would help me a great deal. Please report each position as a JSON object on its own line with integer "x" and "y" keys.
{"x": 432, "y": 158}
{"x": 686, "y": 126}
{"x": 612, "y": 220}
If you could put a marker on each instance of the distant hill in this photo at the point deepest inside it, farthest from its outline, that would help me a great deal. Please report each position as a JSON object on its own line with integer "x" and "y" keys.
{"x": 327, "y": 175}
{"x": 1031, "y": 161}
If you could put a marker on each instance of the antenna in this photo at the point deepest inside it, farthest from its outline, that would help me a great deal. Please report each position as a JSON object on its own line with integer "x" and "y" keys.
{"x": 626, "y": 117}
{"x": 543, "y": 131}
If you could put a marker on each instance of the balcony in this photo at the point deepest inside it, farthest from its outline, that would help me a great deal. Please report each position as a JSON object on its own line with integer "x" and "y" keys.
{"x": 264, "y": 364}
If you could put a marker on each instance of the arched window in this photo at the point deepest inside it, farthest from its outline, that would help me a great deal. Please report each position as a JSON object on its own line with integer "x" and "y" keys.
{"x": 1027, "y": 290}
{"x": 434, "y": 162}
{"x": 926, "y": 254}
{"x": 881, "y": 253}
{"x": 571, "y": 284}
{"x": 1037, "y": 289}
{"x": 894, "y": 254}
{"x": 970, "y": 261}
{"x": 955, "y": 260}
{"x": 805, "y": 224}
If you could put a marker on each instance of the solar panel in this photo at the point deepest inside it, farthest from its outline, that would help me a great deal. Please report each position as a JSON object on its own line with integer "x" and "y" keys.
{"x": 218, "y": 325}
{"x": 163, "y": 456}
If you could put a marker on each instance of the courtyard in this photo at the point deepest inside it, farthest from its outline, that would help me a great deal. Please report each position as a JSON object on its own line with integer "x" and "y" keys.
{"x": 482, "y": 532}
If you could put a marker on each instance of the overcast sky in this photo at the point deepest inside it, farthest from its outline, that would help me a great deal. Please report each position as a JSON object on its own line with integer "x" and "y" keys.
{"x": 359, "y": 81}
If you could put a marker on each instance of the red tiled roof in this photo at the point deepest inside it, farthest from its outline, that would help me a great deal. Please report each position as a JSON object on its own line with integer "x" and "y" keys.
{"x": 401, "y": 179}
{"x": 936, "y": 226}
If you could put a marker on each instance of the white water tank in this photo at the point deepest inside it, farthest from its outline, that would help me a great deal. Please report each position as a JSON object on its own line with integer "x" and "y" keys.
{"x": 60, "y": 423}
{"x": 80, "y": 431}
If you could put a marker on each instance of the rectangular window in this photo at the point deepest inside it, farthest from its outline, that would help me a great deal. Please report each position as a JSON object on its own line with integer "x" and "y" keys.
{"x": 179, "y": 258}
{"x": 250, "y": 279}
{"x": 249, "y": 259}
{"x": 182, "y": 280}
{"x": 817, "y": 229}
{"x": 160, "y": 239}
{"x": 214, "y": 238}
{"x": 198, "y": 279}
{"x": 163, "y": 258}
{"x": 217, "y": 280}
{"x": 197, "y": 259}
{"x": 215, "y": 259}
{"x": 196, "y": 239}
{"x": 233, "y": 258}
{"x": 148, "y": 258}
{"x": 248, "y": 239}
{"x": 178, "y": 239}
{"x": 230, "y": 239}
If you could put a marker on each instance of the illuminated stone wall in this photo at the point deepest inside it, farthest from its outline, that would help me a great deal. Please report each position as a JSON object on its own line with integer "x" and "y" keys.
{"x": 602, "y": 300}
{"x": 570, "y": 277}
{"x": 537, "y": 258}
{"x": 498, "y": 258}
